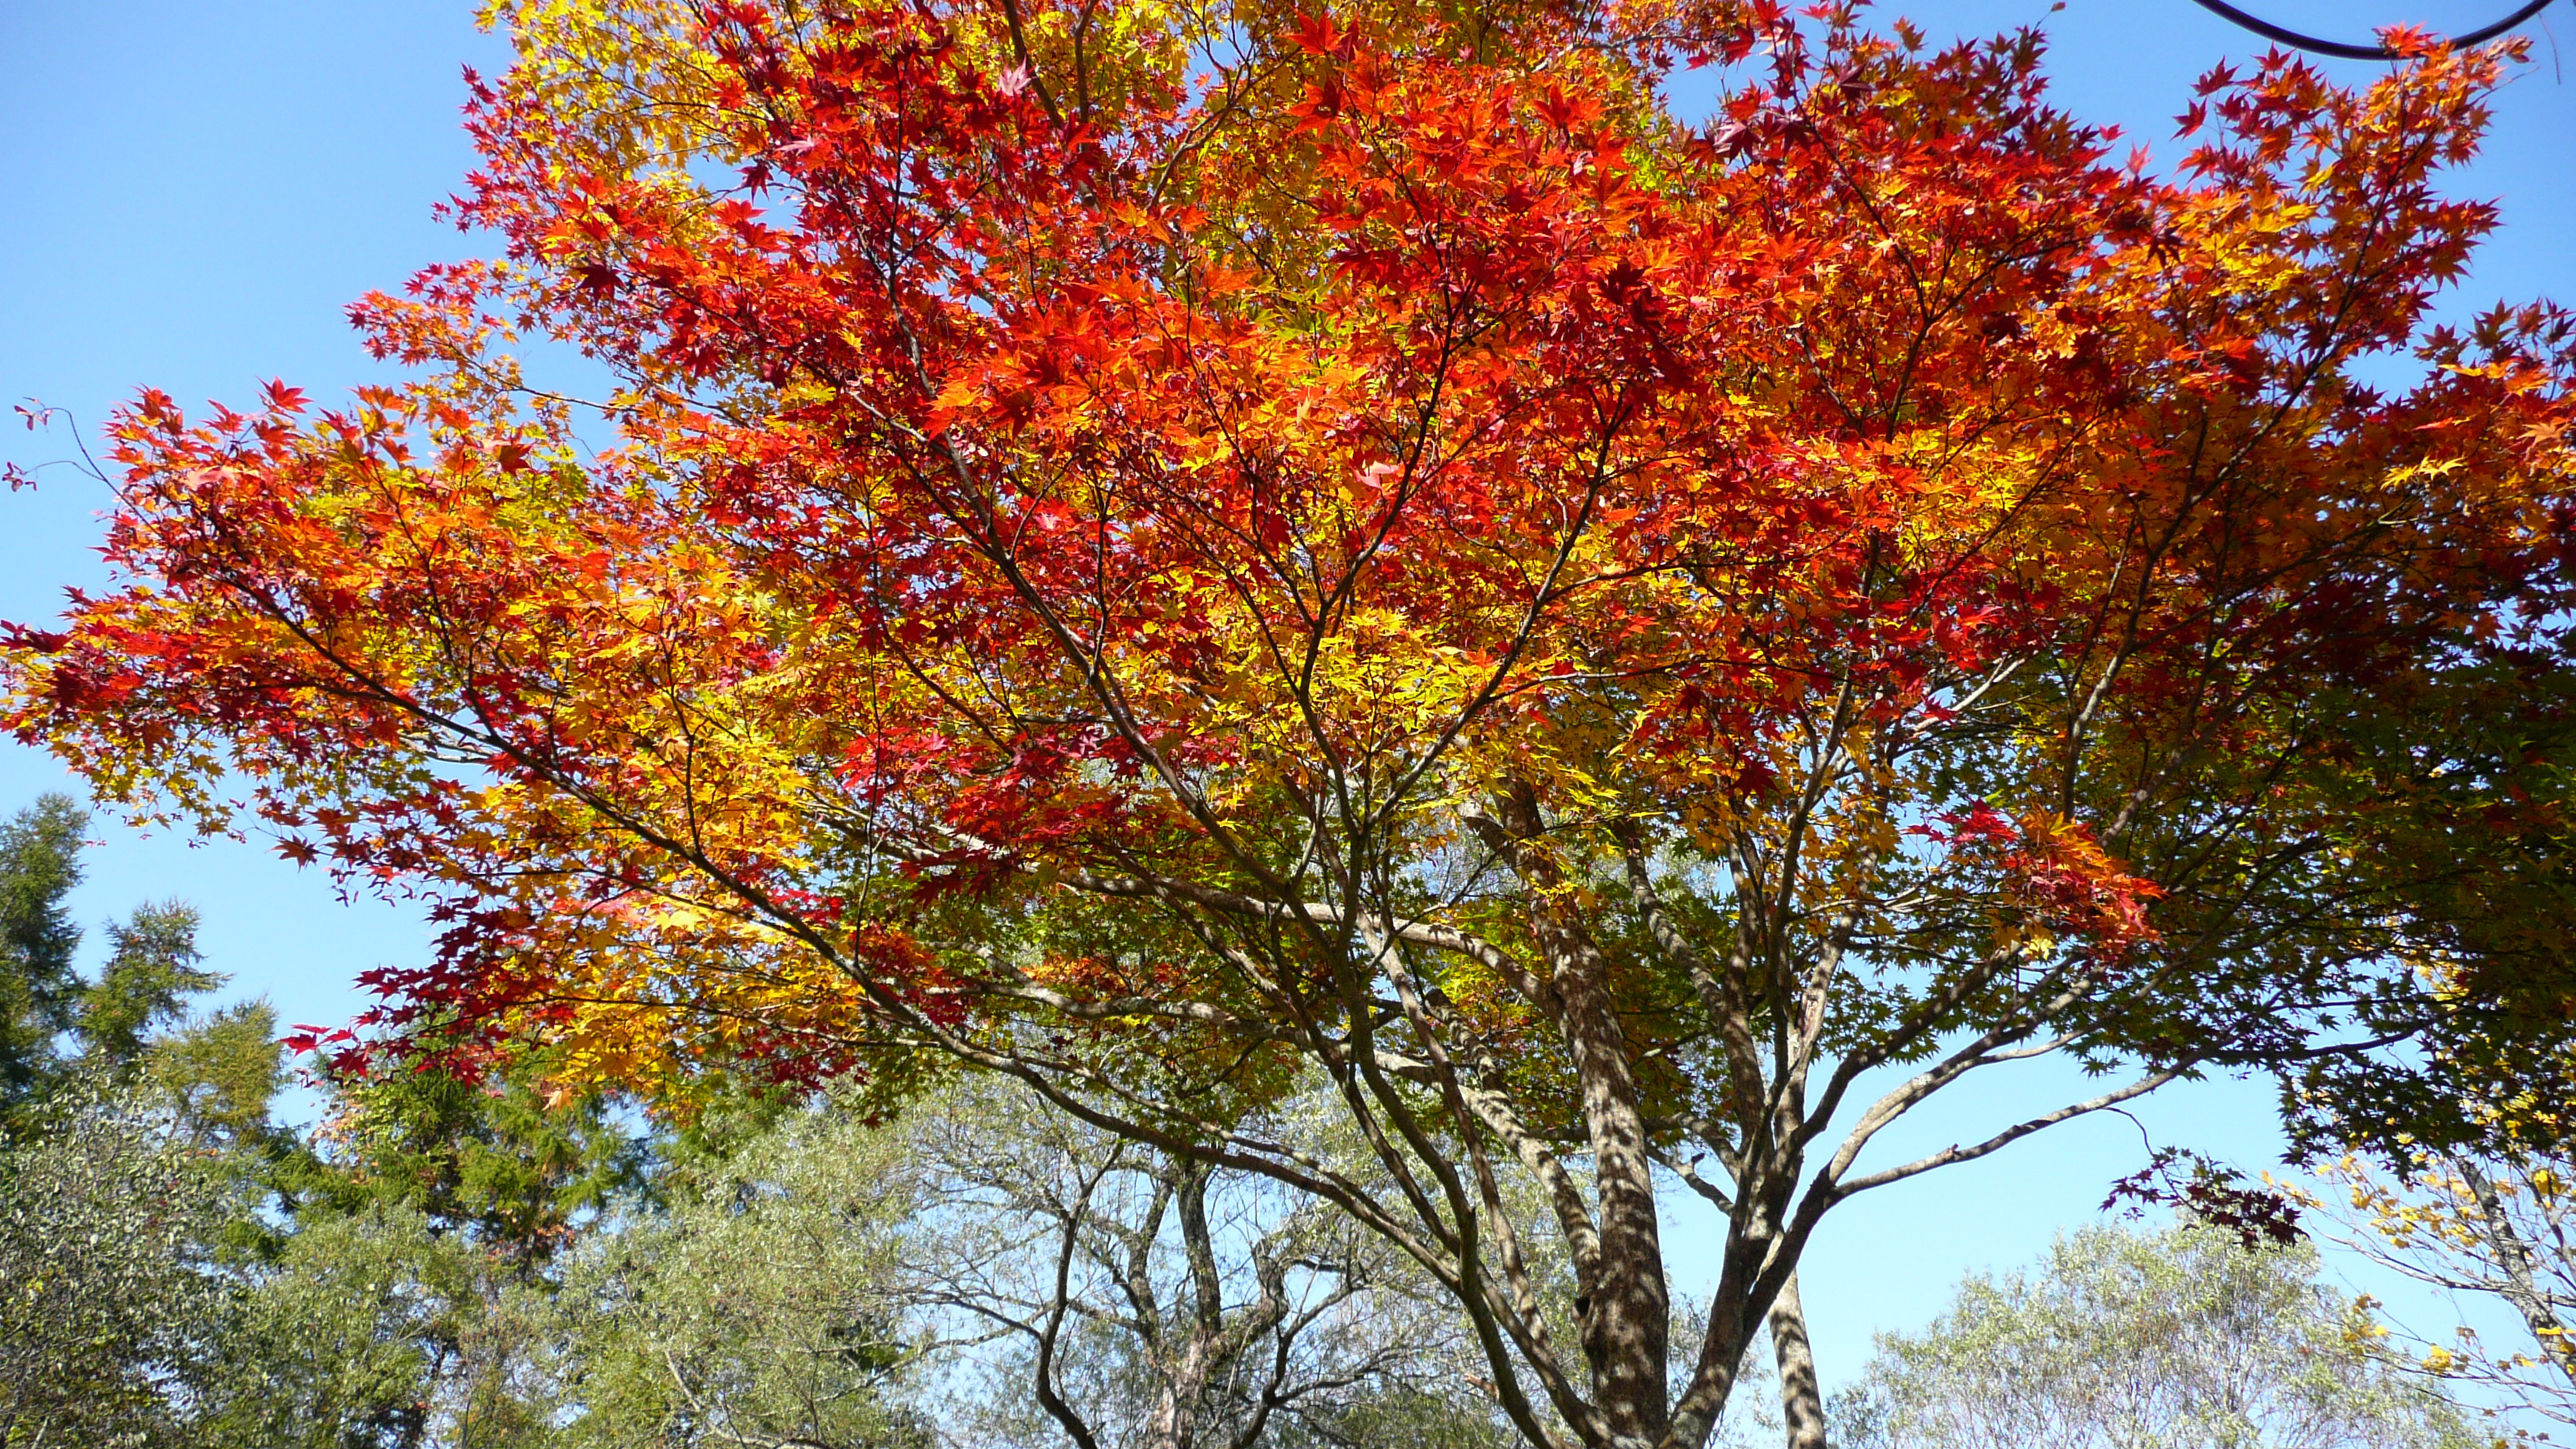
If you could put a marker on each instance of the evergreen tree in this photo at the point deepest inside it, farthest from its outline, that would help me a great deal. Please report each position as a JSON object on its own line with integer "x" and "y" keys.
{"x": 499, "y": 1162}
{"x": 40, "y": 993}
{"x": 151, "y": 973}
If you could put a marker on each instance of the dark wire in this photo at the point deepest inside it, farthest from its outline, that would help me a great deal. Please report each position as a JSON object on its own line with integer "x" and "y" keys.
{"x": 2287, "y": 36}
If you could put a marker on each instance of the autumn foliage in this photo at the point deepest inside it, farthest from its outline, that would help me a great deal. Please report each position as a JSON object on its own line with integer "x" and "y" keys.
{"x": 1162, "y": 549}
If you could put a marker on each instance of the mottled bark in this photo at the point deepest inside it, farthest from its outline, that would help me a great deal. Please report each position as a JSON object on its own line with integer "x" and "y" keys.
{"x": 1624, "y": 1311}
{"x": 1802, "y": 1402}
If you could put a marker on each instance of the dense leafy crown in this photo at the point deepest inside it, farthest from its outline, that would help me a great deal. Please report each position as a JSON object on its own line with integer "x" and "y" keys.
{"x": 1217, "y": 444}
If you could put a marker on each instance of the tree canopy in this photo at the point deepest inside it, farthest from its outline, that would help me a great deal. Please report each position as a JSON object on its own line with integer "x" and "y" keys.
{"x": 1158, "y": 548}
{"x": 2184, "y": 1337}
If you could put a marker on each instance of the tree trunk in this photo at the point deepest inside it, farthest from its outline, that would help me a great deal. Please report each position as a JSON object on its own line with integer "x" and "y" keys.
{"x": 1621, "y": 1304}
{"x": 2521, "y": 1287}
{"x": 1802, "y": 1403}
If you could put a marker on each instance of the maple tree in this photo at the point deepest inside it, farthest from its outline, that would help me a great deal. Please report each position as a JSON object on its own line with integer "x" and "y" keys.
{"x": 1176, "y": 550}
{"x": 2458, "y": 795}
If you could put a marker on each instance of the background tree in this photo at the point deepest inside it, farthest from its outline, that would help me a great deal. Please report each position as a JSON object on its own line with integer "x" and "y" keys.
{"x": 215, "y": 1073}
{"x": 182, "y": 1269}
{"x": 1136, "y": 1298}
{"x": 403, "y": 1294}
{"x": 2185, "y": 1337}
{"x": 368, "y": 1328}
{"x": 985, "y": 1271}
{"x": 114, "y": 1317}
{"x": 151, "y": 973}
{"x": 113, "y": 1320}
{"x": 499, "y": 1159}
{"x": 39, "y": 989}
{"x": 136, "y": 1158}
{"x": 131, "y": 1027}
{"x": 2500, "y": 1228}
{"x": 753, "y": 1299}
{"x": 1161, "y": 549}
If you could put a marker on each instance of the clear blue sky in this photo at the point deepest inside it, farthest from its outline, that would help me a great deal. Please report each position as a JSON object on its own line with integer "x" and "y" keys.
{"x": 195, "y": 188}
